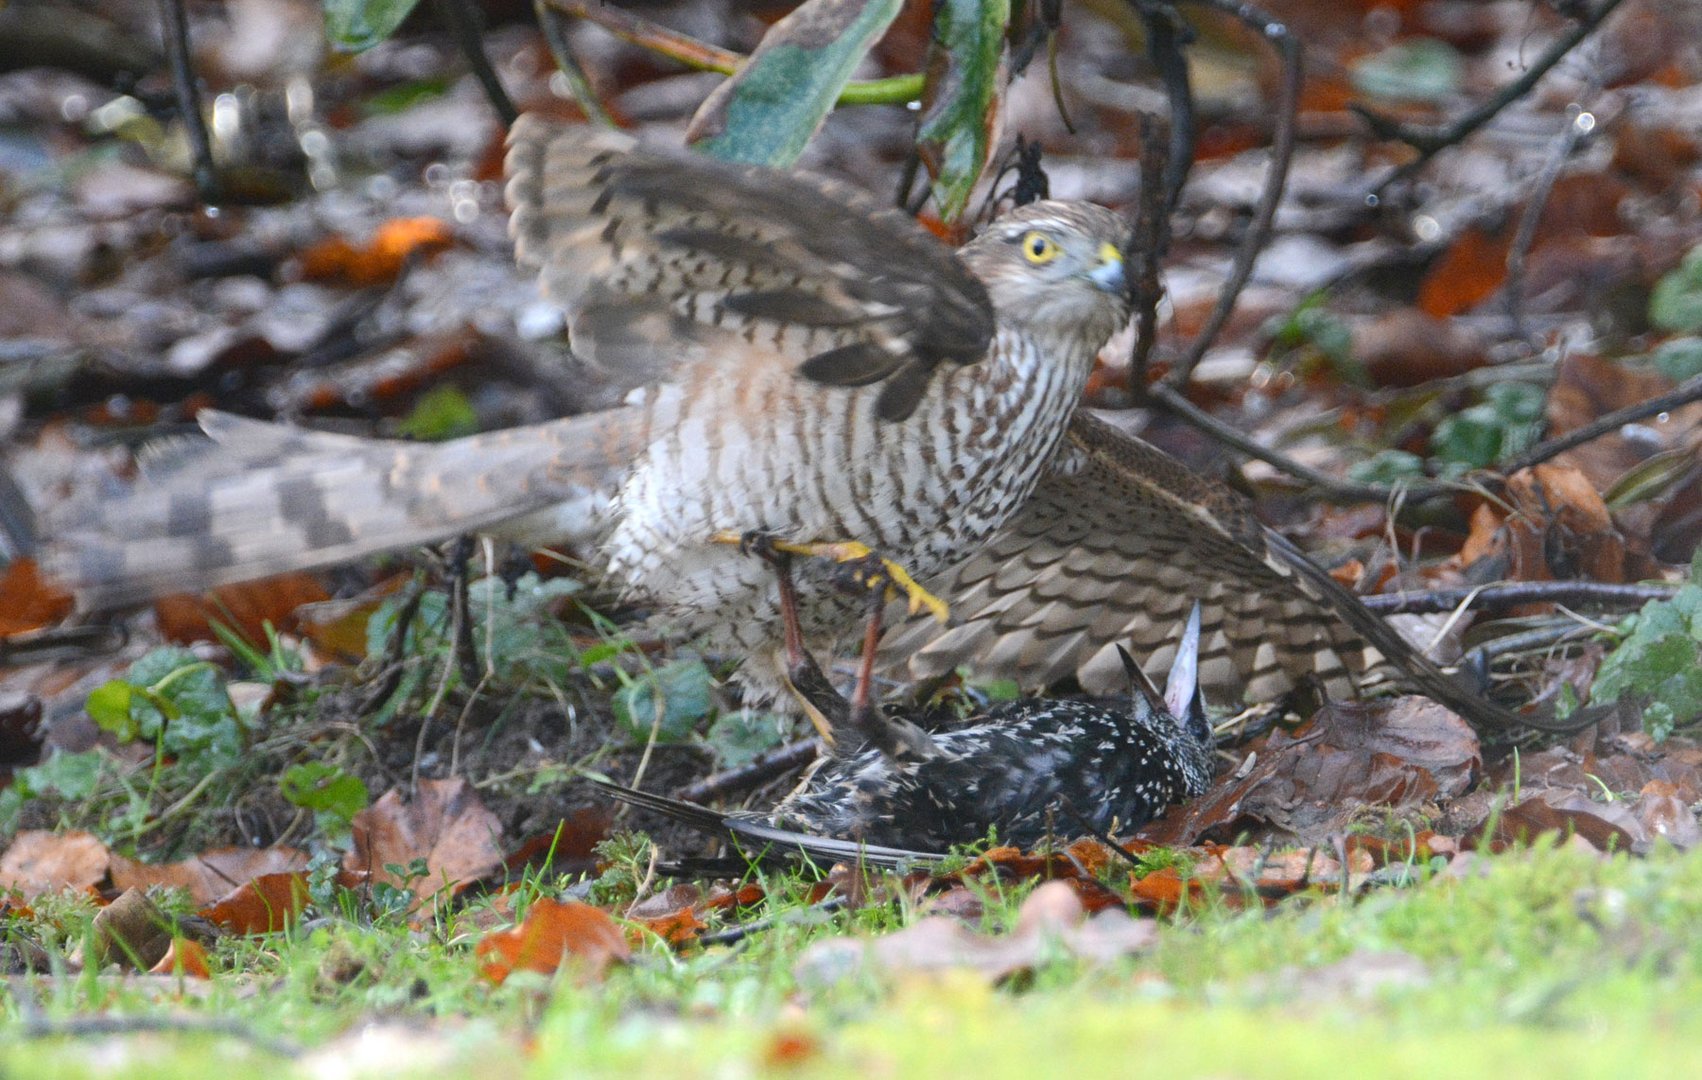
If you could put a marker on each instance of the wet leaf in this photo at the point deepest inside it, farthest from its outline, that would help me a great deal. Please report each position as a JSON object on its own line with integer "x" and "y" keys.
{"x": 552, "y": 935}
{"x": 38, "y": 861}
{"x": 1052, "y": 924}
{"x": 446, "y": 826}
{"x": 210, "y": 875}
{"x": 965, "y": 75}
{"x": 265, "y": 905}
{"x": 356, "y": 25}
{"x": 767, "y": 112}
{"x": 183, "y": 957}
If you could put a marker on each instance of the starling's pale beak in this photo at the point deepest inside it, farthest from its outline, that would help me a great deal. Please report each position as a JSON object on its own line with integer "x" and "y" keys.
{"x": 1108, "y": 275}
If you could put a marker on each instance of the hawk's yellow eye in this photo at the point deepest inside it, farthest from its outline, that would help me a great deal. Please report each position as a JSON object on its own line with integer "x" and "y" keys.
{"x": 1038, "y": 248}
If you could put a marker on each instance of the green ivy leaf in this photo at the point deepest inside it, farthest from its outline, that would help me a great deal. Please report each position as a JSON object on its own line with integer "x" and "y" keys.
{"x": 1679, "y": 359}
{"x": 737, "y": 738}
{"x": 959, "y": 92}
{"x": 767, "y": 112}
{"x": 358, "y": 25}
{"x": 684, "y": 692}
{"x": 1421, "y": 69}
{"x": 444, "y": 413}
{"x": 324, "y": 789}
{"x": 1676, "y": 302}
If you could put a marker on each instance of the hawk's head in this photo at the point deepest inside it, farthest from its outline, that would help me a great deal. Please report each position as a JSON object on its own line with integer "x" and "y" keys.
{"x": 1057, "y": 265}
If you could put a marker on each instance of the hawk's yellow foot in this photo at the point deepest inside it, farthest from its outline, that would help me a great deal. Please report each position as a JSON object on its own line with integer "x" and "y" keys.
{"x": 877, "y": 573}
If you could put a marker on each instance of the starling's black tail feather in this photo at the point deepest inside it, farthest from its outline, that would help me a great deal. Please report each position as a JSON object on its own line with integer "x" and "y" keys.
{"x": 760, "y": 838}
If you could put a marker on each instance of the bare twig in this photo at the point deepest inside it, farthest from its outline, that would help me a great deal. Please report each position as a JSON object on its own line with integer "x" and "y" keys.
{"x": 1148, "y": 243}
{"x": 176, "y": 25}
{"x": 554, "y": 26}
{"x": 1166, "y": 33}
{"x": 1513, "y": 593}
{"x": 1430, "y": 141}
{"x": 759, "y": 770}
{"x": 1688, "y": 391}
{"x": 1276, "y": 177}
{"x": 463, "y": 23}
{"x": 1514, "y": 290}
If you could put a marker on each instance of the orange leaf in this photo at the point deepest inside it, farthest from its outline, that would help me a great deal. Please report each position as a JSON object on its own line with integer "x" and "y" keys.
{"x": 26, "y": 601}
{"x": 380, "y": 261}
{"x": 39, "y": 861}
{"x": 184, "y": 957}
{"x": 269, "y": 903}
{"x": 676, "y": 928}
{"x": 245, "y": 608}
{"x": 552, "y": 933}
{"x": 1467, "y": 274}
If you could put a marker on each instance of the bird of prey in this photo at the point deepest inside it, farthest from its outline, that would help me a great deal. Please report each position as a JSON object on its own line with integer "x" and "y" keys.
{"x": 778, "y": 353}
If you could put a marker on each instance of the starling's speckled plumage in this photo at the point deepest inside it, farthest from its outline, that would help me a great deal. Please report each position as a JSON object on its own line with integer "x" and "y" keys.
{"x": 1025, "y": 770}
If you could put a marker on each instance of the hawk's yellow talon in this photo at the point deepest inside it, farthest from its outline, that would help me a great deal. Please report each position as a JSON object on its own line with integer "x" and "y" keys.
{"x": 898, "y": 579}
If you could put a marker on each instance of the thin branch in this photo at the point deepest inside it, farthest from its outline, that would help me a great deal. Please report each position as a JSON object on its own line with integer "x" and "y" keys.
{"x": 554, "y": 26}
{"x": 38, "y": 1027}
{"x": 1327, "y": 486}
{"x": 1525, "y": 235}
{"x": 897, "y": 90}
{"x": 176, "y": 26}
{"x": 1688, "y": 391}
{"x": 463, "y": 23}
{"x": 754, "y": 773}
{"x": 1430, "y": 141}
{"x": 1287, "y": 48}
{"x": 1512, "y": 593}
{"x": 1148, "y": 242}
{"x": 1166, "y": 33}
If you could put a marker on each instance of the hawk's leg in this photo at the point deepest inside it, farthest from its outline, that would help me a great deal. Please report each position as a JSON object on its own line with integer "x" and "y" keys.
{"x": 823, "y": 704}
{"x": 895, "y": 737}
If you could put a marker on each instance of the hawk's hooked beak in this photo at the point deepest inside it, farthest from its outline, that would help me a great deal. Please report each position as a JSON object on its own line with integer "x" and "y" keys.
{"x": 1108, "y": 275}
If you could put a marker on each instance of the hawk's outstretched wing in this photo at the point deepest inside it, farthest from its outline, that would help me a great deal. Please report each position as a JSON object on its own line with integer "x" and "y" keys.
{"x": 1115, "y": 545}
{"x": 661, "y": 259}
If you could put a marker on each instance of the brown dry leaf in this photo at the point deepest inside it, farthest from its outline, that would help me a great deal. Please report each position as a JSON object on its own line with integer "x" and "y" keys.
{"x": 26, "y": 601}
{"x": 380, "y": 260}
{"x": 1665, "y": 813}
{"x": 1607, "y": 826}
{"x": 131, "y": 932}
{"x": 1398, "y": 753}
{"x": 1467, "y": 274}
{"x": 570, "y": 848}
{"x": 554, "y": 933}
{"x": 211, "y": 874}
{"x": 269, "y": 903}
{"x": 183, "y": 957}
{"x": 247, "y": 608}
{"x": 446, "y": 825}
{"x": 670, "y": 914}
{"x": 39, "y": 861}
{"x": 1051, "y": 920}
{"x": 1587, "y": 387}
{"x": 1275, "y": 875}
{"x": 1406, "y": 347}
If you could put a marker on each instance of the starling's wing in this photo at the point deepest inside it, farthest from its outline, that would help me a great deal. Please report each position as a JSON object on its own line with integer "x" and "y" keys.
{"x": 758, "y": 837}
{"x": 1115, "y": 545}
{"x": 664, "y": 260}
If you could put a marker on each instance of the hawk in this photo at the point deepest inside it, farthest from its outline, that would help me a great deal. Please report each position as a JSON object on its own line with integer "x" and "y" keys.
{"x": 779, "y": 353}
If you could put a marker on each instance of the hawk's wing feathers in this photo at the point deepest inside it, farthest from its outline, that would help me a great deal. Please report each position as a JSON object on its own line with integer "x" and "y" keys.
{"x": 1115, "y": 545}
{"x": 666, "y": 258}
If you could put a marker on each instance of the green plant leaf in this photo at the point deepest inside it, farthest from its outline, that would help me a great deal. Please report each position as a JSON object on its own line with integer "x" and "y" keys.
{"x": 959, "y": 97}
{"x": 682, "y": 690}
{"x": 357, "y": 25}
{"x": 1676, "y": 302}
{"x": 767, "y": 112}
{"x": 1659, "y": 660}
{"x": 109, "y": 707}
{"x": 1420, "y": 69}
{"x": 1679, "y": 359}
{"x": 443, "y": 413}
{"x": 738, "y": 737}
{"x": 324, "y": 789}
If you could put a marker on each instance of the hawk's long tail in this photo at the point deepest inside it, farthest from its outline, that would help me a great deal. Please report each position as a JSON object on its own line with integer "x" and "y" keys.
{"x": 256, "y": 499}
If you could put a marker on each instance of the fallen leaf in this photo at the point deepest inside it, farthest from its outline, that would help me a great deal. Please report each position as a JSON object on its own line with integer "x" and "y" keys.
{"x": 183, "y": 957}
{"x": 380, "y": 260}
{"x": 553, "y": 934}
{"x": 1607, "y": 826}
{"x": 39, "y": 861}
{"x": 446, "y": 825}
{"x": 26, "y": 601}
{"x": 247, "y": 608}
{"x": 210, "y": 875}
{"x": 1051, "y": 922}
{"x": 266, "y": 905}
{"x": 1398, "y": 753}
{"x": 1664, "y": 813}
